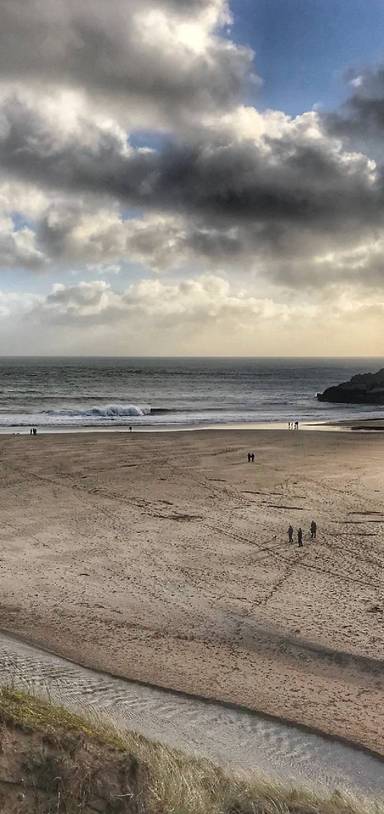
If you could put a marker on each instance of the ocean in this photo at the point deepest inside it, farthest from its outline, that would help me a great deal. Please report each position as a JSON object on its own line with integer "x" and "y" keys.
{"x": 53, "y": 393}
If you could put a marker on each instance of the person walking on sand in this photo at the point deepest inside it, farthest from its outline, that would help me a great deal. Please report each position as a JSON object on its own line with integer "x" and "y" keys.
{"x": 300, "y": 537}
{"x": 313, "y": 530}
{"x": 290, "y": 533}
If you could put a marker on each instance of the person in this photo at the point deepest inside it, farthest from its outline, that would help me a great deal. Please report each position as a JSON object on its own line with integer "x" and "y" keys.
{"x": 313, "y": 530}
{"x": 300, "y": 537}
{"x": 249, "y": 457}
{"x": 130, "y": 429}
{"x": 296, "y": 425}
{"x": 253, "y": 457}
{"x": 290, "y": 533}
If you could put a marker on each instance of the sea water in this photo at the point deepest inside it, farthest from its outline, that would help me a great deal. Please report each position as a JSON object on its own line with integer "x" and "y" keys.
{"x": 78, "y": 393}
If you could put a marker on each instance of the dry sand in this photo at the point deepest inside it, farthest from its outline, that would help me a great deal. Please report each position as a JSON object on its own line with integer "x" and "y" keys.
{"x": 164, "y": 557}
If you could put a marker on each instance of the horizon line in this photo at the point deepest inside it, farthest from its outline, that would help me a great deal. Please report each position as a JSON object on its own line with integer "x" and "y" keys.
{"x": 170, "y": 356}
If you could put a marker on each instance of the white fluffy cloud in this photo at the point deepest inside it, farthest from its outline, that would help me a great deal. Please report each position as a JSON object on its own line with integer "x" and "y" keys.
{"x": 208, "y": 297}
{"x": 193, "y": 316}
{"x": 18, "y": 246}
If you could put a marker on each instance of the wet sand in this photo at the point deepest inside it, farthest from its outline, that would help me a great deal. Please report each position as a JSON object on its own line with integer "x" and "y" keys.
{"x": 364, "y": 424}
{"x": 164, "y": 558}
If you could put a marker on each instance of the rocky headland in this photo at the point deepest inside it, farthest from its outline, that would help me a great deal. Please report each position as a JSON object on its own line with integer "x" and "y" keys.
{"x": 364, "y": 388}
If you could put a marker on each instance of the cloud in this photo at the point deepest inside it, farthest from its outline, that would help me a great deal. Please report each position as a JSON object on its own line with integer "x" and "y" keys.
{"x": 265, "y": 190}
{"x": 208, "y": 298}
{"x": 167, "y": 58}
{"x": 80, "y": 301}
{"x": 15, "y": 306}
{"x": 255, "y": 214}
{"x": 359, "y": 265}
{"x": 71, "y": 234}
{"x": 18, "y": 246}
{"x": 361, "y": 118}
{"x": 190, "y": 316}
{"x": 298, "y": 179}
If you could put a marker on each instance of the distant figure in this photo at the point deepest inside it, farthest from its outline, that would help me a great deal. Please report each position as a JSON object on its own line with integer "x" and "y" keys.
{"x": 34, "y": 431}
{"x": 290, "y": 533}
{"x": 253, "y": 457}
{"x": 300, "y": 537}
{"x": 130, "y": 429}
{"x": 249, "y": 457}
{"x": 313, "y": 530}
{"x": 296, "y": 425}
{"x": 31, "y": 431}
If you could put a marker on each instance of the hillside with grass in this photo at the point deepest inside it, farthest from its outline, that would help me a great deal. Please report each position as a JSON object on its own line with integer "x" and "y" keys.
{"x": 53, "y": 762}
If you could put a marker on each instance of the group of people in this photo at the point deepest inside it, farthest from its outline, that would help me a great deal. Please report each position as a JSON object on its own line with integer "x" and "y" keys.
{"x": 313, "y": 531}
{"x": 293, "y": 425}
{"x": 251, "y": 457}
{"x": 33, "y": 431}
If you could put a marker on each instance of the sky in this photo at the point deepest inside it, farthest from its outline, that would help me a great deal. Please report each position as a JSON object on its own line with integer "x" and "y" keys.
{"x": 192, "y": 177}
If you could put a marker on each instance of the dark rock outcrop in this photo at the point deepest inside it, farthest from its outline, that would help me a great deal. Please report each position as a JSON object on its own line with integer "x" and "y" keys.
{"x": 364, "y": 388}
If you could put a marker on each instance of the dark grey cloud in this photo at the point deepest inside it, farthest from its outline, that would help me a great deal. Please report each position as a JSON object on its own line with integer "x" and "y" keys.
{"x": 111, "y": 48}
{"x": 229, "y": 192}
{"x": 298, "y": 183}
{"x": 361, "y": 118}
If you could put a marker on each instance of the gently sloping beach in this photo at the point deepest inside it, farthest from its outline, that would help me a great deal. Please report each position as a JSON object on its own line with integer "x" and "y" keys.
{"x": 164, "y": 558}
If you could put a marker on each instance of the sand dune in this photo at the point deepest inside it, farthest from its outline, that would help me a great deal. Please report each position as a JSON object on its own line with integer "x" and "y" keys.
{"x": 164, "y": 557}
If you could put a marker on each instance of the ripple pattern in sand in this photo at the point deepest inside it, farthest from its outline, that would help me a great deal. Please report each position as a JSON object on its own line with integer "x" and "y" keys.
{"x": 236, "y": 738}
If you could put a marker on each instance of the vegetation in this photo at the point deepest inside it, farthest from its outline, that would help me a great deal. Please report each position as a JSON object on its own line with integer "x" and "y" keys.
{"x": 54, "y": 762}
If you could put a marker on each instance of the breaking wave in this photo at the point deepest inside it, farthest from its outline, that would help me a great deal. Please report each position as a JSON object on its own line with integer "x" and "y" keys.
{"x": 103, "y": 411}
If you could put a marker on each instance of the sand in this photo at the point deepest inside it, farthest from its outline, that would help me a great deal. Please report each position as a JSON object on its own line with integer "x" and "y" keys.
{"x": 164, "y": 557}
{"x": 237, "y": 739}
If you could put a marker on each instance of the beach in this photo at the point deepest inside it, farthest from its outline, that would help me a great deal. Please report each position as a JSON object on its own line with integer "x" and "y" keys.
{"x": 164, "y": 558}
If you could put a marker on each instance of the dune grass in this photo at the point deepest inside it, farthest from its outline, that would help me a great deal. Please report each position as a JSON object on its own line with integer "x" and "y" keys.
{"x": 79, "y": 764}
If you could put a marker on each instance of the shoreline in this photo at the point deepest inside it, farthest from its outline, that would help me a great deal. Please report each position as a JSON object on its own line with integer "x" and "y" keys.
{"x": 359, "y": 424}
{"x": 169, "y": 557}
{"x": 342, "y": 425}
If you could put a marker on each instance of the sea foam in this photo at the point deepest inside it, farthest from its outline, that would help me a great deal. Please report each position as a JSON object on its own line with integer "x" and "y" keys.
{"x": 103, "y": 411}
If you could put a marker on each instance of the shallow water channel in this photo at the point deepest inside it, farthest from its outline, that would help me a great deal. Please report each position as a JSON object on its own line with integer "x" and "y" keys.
{"x": 232, "y": 737}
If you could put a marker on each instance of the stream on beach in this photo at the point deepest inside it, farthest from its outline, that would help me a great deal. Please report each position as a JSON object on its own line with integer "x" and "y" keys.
{"x": 235, "y": 738}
